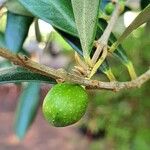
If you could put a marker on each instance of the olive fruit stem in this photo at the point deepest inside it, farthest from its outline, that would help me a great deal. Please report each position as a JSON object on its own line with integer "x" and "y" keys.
{"x": 99, "y": 62}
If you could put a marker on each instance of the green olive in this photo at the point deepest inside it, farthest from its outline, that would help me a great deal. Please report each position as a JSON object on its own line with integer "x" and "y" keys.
{"x": 109, "y": 8}
{"x": 65, "y": 104}
{"x": 122, "y": 5}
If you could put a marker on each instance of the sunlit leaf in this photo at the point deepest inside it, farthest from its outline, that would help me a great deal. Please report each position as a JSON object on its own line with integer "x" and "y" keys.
{"x": 86, "y": 15}
{"x": 15, "y": 7}
{"x": 56, "y": 12}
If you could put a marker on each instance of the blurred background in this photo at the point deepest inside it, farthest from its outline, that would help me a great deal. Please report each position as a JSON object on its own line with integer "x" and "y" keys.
{"x": 114, "y": 120}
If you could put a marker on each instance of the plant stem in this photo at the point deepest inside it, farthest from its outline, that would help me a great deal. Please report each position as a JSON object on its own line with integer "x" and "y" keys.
{"x": 131, "y": 71}
{"x": 110, "y": 75}
{"x": 27, "y": 63}
{"x": 103, "y": 40}
{"x": 99, "y": 62}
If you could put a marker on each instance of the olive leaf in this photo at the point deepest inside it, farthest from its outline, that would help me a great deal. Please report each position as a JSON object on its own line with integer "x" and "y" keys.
{"x": 86, "y": 15}
{"x": 18, "y": 74}
{"x": 26, "y": 109}
{"x": 56, "y": 12}
{"x": 15, "y": 7}
{"x": 16, "y": 30}
{"x": 143, "y": 17}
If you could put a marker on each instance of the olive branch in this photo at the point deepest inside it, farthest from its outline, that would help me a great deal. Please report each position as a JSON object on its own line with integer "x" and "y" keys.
{"x": 61, "y": 74}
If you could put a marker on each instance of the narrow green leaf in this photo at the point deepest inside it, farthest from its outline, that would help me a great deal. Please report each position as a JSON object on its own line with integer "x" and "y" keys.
{"x": 26, "y": 109}
{"x": 18, "y": 74}
{"x": 37, "y": 31}
{"x": 56, "y": 12}
{"x": 16, "y": 30}
{"x": 3, "y": 19}
{"x": 15, "y": 7}
{"x": 143, "y": 17}
{"x": 86, "y": 15}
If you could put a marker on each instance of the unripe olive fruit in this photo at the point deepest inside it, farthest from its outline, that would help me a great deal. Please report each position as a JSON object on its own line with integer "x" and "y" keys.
{"x": 65, "y": 104}
{"x": 122, "y": 5}
{"x": 109, "y": 8}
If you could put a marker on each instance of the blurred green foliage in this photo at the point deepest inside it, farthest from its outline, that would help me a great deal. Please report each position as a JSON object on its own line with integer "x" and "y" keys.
{"x": 124, "y": 115}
